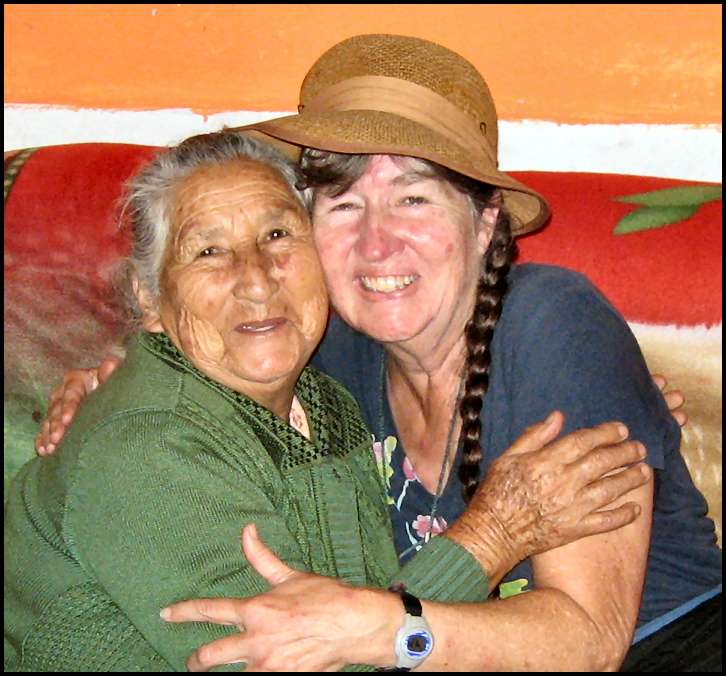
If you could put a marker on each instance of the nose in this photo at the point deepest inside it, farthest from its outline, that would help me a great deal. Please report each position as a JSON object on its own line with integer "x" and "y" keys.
{"x": 254, "y": 278}
{"x": 377, "y": 239}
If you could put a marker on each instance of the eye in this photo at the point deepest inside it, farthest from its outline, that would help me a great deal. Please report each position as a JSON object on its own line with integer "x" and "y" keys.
{"x": 415, "y": 200}
{"x": 343, "y": 206}
{"x": 277, "y": 233}
{"x": 209, "y": 251}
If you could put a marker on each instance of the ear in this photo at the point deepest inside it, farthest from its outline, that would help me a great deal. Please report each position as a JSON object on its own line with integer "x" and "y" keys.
{"x": 488, "y": 221}
{"x": 150, "y": 318}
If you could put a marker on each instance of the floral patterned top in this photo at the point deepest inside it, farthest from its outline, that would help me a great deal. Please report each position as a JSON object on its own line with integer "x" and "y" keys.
{"x": 410, "y": 502}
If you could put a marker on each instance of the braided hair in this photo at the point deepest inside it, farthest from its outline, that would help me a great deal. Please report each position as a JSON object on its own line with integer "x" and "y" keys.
{"x": 334, "y": 173}
{"x": 479, "y": 331}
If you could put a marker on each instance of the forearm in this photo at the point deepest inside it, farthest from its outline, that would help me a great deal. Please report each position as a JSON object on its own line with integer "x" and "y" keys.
{"x": 541, "y": 630}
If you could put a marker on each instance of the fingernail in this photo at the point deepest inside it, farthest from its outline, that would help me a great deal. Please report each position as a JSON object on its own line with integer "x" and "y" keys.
{"x": 550, "y": 418}
{"x": 165, "y": 613}
{"x": 623, "y": 431}
{"x": 641, "y": 450}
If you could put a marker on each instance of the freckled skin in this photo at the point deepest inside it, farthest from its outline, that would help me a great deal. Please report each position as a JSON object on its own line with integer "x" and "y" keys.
{"x": 389, "y": 223}
{"x": 241, "y": 257}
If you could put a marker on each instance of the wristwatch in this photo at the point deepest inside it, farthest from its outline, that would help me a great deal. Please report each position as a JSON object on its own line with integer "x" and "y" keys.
{"x": 414, "y": 640}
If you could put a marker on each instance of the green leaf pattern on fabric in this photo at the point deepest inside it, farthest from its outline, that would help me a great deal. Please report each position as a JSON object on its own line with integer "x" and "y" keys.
{"x": 664, "y": 207}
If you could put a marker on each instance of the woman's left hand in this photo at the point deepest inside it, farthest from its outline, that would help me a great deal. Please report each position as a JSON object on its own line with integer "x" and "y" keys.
{"x": 306, "y": 622}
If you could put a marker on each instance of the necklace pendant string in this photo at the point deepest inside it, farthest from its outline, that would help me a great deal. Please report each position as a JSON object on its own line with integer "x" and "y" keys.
{"x": 447, "y": 453}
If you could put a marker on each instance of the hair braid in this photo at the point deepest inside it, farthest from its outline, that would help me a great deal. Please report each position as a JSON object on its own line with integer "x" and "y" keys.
{"x": 479, "y": 332}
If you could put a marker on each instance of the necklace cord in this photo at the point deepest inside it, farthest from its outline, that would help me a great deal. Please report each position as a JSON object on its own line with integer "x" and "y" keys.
{"x": 447, "y": 453}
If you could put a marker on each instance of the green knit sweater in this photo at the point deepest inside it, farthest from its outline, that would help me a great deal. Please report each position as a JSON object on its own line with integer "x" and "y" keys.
{"x": 144, "y": 502}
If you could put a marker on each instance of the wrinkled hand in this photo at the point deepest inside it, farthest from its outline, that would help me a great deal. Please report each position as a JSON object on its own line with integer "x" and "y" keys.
{"x": 64, "y": 402}
{"x": 306, "y": 622}
{"x": 541, "y": 494}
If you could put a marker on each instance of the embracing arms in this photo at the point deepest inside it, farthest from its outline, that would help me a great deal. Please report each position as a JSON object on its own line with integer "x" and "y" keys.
{"x": 310, "y": 622}
{"x": 484, "y": 624}
{"x": 76, "y": 385}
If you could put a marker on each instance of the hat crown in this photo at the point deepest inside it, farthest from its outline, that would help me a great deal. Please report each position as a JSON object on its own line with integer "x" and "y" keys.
{"x": 419, "y": 61}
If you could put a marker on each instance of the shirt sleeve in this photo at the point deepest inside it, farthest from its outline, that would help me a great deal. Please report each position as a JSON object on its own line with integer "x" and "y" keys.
{"x": 561, "y": 345}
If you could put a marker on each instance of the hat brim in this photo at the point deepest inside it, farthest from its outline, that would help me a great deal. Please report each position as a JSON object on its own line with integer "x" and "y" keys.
{"x": 374, "y": 132}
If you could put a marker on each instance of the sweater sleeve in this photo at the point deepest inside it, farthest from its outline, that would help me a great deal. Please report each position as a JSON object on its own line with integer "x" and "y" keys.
{"x": 444, "y": 571}
{"x": 155, "y": 516}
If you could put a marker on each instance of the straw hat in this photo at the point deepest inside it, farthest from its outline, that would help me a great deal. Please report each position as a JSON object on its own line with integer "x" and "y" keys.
{"x": 396, "y": 95}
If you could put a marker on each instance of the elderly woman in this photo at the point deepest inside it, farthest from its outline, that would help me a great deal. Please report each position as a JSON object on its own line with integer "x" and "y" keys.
{"x": 447, "y": 339}
{"x": 214, "y": 422}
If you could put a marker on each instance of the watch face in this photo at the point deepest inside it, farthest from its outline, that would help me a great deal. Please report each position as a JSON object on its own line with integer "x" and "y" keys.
{"x": 418, "y": 644}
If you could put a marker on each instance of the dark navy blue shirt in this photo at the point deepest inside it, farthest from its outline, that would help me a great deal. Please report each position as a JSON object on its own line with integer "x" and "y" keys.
{"x": 558, "y": 345}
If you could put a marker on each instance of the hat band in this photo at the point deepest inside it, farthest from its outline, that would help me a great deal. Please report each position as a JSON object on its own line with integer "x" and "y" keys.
{"x": 406, "y": 99}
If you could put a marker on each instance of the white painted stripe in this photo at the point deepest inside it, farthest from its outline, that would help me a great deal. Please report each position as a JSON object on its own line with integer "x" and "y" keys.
{"x": 29, "y": 126}
{"x": 669, "y": 151}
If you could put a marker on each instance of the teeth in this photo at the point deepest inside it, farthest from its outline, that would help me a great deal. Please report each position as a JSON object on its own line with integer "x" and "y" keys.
{"x": 257, "y": 329}
{"x": 261, "y": 326}
{"x": 387, "y": 284}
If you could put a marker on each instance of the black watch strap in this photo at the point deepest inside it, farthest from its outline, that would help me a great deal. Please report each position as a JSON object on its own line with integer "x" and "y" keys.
{"x": 414, "y": 640}
{"x": 410, "y": 602}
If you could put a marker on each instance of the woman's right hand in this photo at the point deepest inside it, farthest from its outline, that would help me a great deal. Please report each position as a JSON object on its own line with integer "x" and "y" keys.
{"x": 64, "y": 402}
{"x": 541, "y": 494}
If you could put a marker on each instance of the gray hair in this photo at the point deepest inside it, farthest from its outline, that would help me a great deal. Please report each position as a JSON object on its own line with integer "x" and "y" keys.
{"x": 149, "y": 200}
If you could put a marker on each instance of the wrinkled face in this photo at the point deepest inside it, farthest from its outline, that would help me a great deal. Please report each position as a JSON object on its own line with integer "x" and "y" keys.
{"x": 242, "y": 290}
{"x": 401, "y": 253}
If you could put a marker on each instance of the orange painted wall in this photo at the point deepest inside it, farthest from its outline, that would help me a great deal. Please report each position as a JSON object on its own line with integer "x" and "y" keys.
{"x": 575, "y": 63}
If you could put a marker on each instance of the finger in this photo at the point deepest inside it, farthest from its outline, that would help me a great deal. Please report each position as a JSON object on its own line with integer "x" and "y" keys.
{"x": 680, "y": 416}
{"x": 262, "y": 558}
{"x": 603, "y": 460}
{"x": 42, "y": 438}
{"x": 228, "y": 650}
{"x": 610, "y": 520}
{"x": 224, "y": 611}
{"x": 576, "y": 445}
{"x": 659, "y": 381}
{"x": 107, "y": 367}
{"x": 538, "y": 435}
{"x": 44, "y": 442}
{"x": 674, "y": 399}
{"x": 71, "y": 401}
{"x": 605, "y": 491}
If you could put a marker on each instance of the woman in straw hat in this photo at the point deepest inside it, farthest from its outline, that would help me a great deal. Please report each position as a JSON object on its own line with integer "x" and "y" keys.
{"x": 451, "y": 340}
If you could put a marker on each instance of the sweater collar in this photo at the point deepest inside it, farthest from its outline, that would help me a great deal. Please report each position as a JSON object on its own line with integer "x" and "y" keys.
{"x": 287, "y": 447}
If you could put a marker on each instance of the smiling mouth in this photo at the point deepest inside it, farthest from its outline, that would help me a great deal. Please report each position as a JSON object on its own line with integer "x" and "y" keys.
{"x": 387, "y": 284}
{"x": 260, "y": 327}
